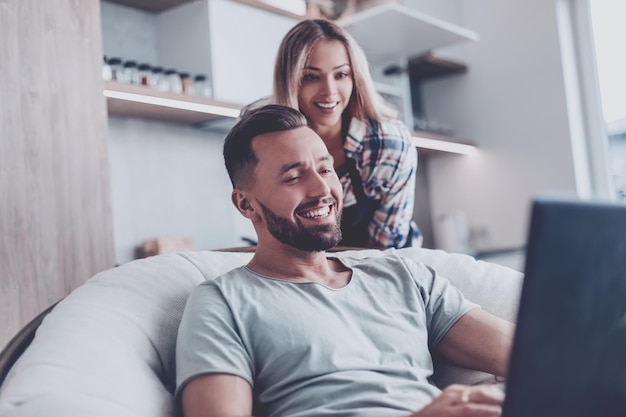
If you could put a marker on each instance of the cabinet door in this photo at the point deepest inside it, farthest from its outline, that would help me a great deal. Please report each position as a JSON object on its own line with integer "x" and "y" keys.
{"x": 235, "y": 44}
{"x": 244, "y": 42}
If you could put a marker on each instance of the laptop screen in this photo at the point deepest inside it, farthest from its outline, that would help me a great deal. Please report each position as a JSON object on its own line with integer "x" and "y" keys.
{"x": 569, "y": 353}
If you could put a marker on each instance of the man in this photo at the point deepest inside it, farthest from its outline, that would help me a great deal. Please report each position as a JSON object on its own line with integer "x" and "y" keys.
{"x": 297, "y": 333}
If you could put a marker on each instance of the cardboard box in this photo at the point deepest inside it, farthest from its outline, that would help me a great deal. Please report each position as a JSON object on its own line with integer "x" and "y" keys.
{"x": 166, "y": 244}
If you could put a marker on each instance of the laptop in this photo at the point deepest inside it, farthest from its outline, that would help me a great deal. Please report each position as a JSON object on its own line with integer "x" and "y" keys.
{"x": 569, "y": 352}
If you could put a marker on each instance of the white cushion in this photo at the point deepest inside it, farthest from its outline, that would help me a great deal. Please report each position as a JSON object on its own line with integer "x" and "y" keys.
{"x": 108, "y": 348}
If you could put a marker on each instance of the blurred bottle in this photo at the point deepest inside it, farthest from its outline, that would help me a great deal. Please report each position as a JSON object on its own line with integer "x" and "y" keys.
{"x": 117, "y": 70}
{"x": 106, "y": 70}
{"x": 187, "y": 83}
{"x": 173, "y": 79}
{"x": 202, "y": 86}
{"x": 131, "y": 73}
{"x": 145, "y": 73}
{"x": 159, "y": 79}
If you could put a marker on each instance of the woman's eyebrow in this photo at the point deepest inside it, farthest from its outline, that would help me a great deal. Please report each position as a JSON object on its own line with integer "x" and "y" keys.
{"x": 312, "y": 68}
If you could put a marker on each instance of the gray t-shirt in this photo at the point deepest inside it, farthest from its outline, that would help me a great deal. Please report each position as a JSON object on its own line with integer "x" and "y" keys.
{"x": 310, "y": 350}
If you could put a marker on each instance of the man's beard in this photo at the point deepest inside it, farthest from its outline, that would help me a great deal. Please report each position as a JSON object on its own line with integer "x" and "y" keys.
{"x": 310, "y": 239}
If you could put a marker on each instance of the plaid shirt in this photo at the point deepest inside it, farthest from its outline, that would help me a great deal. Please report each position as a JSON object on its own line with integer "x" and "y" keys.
{"x": 387, "y": 162}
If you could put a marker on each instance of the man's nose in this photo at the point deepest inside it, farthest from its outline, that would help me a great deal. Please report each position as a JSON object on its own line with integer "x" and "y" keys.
{"x": 317, "y": 185}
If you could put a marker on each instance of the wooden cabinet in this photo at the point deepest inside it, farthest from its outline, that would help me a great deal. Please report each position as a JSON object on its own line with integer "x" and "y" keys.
{"x": 56, "y": 221}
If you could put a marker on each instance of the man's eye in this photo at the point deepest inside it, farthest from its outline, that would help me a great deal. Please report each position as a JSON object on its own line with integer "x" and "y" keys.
{"x": 291, "y": 179}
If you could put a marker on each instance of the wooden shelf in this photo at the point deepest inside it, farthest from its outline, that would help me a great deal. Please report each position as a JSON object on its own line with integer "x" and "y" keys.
{"x": 140, "y": 101}
{"x": 392, "y": 32}
{"x": 430, "y": 66}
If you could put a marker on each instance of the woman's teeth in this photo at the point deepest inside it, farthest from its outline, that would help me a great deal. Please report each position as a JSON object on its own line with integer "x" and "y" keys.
{"x": 327, "y": 105}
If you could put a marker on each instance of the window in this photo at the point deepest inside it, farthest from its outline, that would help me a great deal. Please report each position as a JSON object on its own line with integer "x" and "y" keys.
{"x": 609, "y": 32}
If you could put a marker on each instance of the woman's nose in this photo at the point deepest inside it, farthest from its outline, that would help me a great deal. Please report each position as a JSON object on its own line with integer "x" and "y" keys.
{"x": 330, "y": 86}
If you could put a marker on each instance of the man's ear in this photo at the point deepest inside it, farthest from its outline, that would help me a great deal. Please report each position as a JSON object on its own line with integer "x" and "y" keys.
{"x": 242, "y": 203}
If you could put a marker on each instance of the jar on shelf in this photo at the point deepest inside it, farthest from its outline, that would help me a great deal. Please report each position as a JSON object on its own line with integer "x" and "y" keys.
{"x": 159, "y": 79}
{"x": 106, "y": 70}
{"x": 173, "y": 78}
{"x": 202, "y": 86}
{"x": 145, "y": 73}
{"x": 131, "y": 73}
{"x": 117, "y": 70}
{"x": 186, "y": 82}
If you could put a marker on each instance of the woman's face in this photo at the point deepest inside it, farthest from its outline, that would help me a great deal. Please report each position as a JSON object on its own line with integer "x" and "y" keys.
{"x": 326, "y": 85}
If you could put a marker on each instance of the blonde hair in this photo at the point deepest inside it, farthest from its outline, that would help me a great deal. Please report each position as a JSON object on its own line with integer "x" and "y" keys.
{"x": 293, "y": 55}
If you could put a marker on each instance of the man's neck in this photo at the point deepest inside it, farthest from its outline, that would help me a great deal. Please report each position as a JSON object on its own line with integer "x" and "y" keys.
{"x": 284, "y": 262}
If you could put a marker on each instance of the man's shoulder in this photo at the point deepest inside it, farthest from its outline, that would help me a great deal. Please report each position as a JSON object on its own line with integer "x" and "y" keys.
{"x": 390, "y": 260}
{"x": 233, "y": 277}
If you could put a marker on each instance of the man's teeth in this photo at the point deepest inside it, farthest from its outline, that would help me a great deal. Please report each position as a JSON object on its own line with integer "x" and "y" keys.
{"x": 327, "y": 105}
{"x": 321, "y": 212}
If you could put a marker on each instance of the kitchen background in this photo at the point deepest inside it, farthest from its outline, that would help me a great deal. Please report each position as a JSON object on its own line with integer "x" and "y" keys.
{"x": 83, "y": 184}
{"x": 168, "y": 179}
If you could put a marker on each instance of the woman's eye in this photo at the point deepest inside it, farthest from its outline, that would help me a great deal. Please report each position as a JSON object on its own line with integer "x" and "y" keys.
{"x": 309, "y": 77}
{"x": 342, "y": 75}
{"x": 291, "y": 179}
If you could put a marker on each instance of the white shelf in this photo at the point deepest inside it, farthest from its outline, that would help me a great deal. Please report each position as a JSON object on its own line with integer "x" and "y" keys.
{"x": 139, "y": 101}
{"x": 142, "y": 102}
{"x": 391, "y": 32}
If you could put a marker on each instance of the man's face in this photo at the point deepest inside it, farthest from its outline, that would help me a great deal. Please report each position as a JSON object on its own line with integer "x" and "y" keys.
{"x": 296, "y": 190}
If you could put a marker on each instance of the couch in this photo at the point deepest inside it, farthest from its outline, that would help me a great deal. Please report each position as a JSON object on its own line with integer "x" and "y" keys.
{"x": 107, "y": 349}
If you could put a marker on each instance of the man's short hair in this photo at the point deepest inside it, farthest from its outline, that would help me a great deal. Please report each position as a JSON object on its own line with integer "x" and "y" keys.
{"x": 239, "y": 156}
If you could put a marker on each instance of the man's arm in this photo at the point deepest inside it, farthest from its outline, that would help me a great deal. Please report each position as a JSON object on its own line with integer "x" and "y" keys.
{"x": 217, "y": 395}
{"x": 479, "y": 340}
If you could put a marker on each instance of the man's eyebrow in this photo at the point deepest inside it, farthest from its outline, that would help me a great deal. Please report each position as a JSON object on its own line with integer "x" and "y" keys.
{"x": 294, "y": 165}
{"x": 289, "y": 166}
{"x": 312, "y": 68}
{"x": 327, "y": 157}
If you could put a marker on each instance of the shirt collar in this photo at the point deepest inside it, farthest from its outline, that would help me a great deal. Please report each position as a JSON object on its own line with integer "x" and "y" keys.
{"x": 356, "y": 134}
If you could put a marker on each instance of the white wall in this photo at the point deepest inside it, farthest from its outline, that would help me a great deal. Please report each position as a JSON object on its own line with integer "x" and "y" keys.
{"x": 168, "y": 180}
{"x": 128, "y": 33}
{"x": 512, "y": 104}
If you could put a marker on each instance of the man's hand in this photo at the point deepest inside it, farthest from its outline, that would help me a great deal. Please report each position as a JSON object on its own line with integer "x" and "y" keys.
{"x": 465, "y": 401}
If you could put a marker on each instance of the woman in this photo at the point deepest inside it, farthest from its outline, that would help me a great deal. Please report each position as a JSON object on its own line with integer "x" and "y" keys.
{"x": 321, "y": 71}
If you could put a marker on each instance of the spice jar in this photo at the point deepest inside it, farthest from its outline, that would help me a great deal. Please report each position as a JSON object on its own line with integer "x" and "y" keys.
{"x": 131, "y": 73}
{"x": 175, "y": 84}
{"x": 159, "y": 80}
{"x": 186, "y": 82}
{"x": 202, "y": 86}
{"x": 106, "y": 70}
{"x": 145, "y": 73}
{"x": 117, "y": 70}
